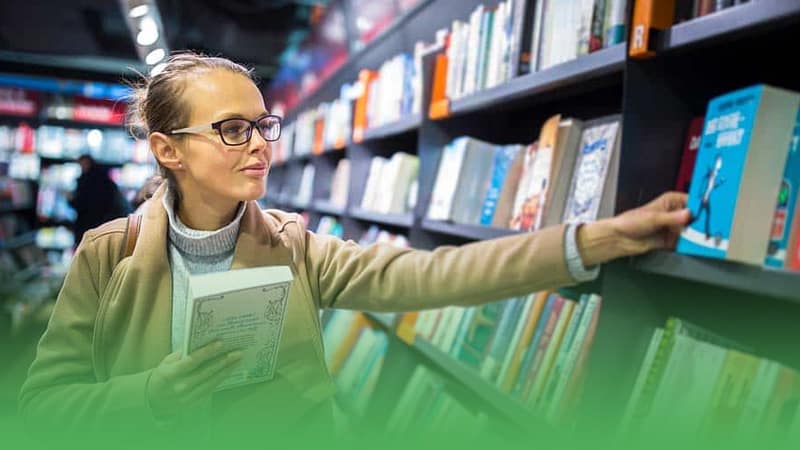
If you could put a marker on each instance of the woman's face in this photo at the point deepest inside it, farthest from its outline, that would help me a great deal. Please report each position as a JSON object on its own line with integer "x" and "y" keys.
{"x": 212, "y": 170}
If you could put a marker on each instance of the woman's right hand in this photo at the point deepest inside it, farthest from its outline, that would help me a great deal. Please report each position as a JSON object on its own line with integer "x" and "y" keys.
{"x": 180, "y": 382}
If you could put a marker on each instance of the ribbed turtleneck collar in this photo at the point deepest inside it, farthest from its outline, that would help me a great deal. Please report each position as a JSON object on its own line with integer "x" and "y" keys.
{"x": 200, "y": 242}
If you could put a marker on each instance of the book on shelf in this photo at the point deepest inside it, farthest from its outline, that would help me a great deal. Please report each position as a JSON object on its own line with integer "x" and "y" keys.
{"x": 389, "y": 184}
{"x": 245, "y": 309}
{"x": 689, "y": 154}
{"x": 533, "y": 348}
{"x": 694, "y": 381}
{"x": 592, "y": 188}
{"x": 425, "y": 405}
{"x": 735, "y": 183}
{"x": 340, "y": 184}
{"x": 786, "y": 222}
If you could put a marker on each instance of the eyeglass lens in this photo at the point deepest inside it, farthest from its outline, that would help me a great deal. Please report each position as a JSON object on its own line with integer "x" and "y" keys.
{"x": 238, "y": 131}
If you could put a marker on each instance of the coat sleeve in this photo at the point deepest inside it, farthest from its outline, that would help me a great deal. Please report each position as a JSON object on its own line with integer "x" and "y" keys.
{"x": 61, "y": 395}
{"x": 381, "y": 277}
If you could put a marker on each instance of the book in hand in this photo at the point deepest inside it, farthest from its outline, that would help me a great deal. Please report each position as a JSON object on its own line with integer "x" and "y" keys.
{"x": 737, "y": 175}
{"x": 244, "y": 309}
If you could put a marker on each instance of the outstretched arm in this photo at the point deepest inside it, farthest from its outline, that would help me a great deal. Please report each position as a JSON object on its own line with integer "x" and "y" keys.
{"x": 385, "y": 278}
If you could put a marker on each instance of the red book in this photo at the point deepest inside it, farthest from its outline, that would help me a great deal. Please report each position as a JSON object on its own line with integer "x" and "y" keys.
{"x": 690, "y": 147}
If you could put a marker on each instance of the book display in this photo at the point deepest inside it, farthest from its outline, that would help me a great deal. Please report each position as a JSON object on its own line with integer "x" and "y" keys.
{"x": 523, "y": 124}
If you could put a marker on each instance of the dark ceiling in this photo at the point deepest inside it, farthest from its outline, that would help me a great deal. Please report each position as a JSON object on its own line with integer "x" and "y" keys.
{"x": 253, "y": 32}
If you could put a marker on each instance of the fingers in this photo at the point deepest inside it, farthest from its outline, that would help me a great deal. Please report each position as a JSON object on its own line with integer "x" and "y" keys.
{"x": 199, "y": 357}
{"x": 673, "y": 220}
{"x": 208, "y": 370}
{"x": 669, "y": 201}
{"x": 207, "y": 386}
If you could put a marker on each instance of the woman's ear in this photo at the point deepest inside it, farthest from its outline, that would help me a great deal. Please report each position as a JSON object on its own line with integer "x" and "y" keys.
{"x": 165, "y": 151}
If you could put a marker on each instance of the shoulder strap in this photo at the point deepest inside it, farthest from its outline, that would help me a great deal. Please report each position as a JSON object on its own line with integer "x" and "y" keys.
{"x": 131, "y": 234}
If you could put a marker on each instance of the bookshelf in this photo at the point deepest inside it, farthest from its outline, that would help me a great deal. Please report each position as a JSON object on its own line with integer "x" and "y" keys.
{"x": 465, "y": 376}
{"x": 695, "y": 61}
{"x": 474, "y": 232}
{"x": 599, "y": 68}
{"x": 404, "y": 125}
{"x": 392, "y": 220}
{"x": 730, "y": 24}
{"x": 779, "y": 284}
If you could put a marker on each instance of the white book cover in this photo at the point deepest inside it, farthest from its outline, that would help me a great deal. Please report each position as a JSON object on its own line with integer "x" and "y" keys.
{"x": 373, "y": 181}
{"x": 447, "y": 180}
{"x": 598, "y": 141}
{"x": 245, "y": 309}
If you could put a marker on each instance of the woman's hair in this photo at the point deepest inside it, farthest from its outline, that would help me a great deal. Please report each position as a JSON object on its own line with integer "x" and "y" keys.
{"x": 157, "y": 103}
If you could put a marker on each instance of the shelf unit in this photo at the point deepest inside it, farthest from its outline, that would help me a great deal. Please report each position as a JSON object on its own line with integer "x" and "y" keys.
{"x": 695, "y": 61}
{"x": 779, "y": 284}
{"x": 445, "y": 364}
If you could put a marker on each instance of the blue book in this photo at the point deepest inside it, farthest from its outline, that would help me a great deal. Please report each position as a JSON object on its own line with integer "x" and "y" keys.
{"x": 787, "y": 203}
{"x": 503, "y": 158}
{"x": 737, "y": 175}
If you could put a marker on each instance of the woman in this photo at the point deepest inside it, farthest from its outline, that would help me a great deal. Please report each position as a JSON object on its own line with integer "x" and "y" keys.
{"x": 108, "y": 359}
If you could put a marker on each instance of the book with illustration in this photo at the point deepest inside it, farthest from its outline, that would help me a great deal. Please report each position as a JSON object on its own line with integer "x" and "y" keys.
{"x": 737, "y": 174}
{"x": 245, "y": 309}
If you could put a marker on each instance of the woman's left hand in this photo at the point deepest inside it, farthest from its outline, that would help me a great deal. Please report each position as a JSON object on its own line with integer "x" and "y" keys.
{"x": 653, "y": 226}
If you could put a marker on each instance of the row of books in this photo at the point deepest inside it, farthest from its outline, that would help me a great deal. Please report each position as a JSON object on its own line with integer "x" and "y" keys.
{"x": 106, "y": 146}
{"x": 355, "y": 352}
{"x": 692, "y": 9}
{"x": 745, "y": 173}
{"x": 55, "y": 238}
{"x": 325, "y": 127}
{"x": 567, "y": 175}
{"x": 15, "y": 193}
{"x": 298, "y": 189}
{"x": 516, "y": 37}
{"x": 696, "y": 382}
{"x": 426, "y": 407}
{"x": 391, "y": 186}
{"x": 533, "y": 347}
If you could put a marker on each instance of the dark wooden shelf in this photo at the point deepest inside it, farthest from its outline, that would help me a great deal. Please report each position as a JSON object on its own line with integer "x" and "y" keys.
{"x": 325, "y": 207}
{"x": 404, "y": 125}
{"x": 466, "y": 376}
{"x": 36, "y": 121}
{"x": 762, "y": 281}
{"x": 736, "y": 21}
{"x": 20, "y": 208}
{"x": 572, "y": 73}
{"x": 395, "y": 220}
{"x": 476, "y": 232}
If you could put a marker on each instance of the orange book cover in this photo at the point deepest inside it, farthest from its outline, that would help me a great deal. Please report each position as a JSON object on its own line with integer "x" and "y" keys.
{"x": 440, "y": 104}
{"x": 648, "y": 16}
{"x": 405, "y": 328}
{"x": 319, "y": 139}
{"x": 360, "y": 122}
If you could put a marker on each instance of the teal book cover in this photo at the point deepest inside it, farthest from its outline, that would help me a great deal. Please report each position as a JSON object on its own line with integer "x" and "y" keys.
{"x": 718, "y": 172}
{"x": 787, "y": 202}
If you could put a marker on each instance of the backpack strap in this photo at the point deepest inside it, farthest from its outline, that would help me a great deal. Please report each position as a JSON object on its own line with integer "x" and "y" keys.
{"x": 131, "y": 234}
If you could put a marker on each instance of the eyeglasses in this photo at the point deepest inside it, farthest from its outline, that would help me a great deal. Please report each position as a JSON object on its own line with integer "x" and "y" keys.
{"x": 239, "y": 131}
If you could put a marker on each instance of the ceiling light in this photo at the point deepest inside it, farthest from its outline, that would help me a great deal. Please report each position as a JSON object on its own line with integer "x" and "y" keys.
{"x": 157, "y": 69}
{"x": 138, "y": 11}
{"x": 148, "y": 32}
{"x": 155, "y": 56}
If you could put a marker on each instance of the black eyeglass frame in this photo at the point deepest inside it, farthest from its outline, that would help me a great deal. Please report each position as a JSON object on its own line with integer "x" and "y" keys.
{"x": 217, "y": 126}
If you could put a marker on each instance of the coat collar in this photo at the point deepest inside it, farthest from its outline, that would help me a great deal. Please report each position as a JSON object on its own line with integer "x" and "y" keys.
{"x": 149, "y": 276}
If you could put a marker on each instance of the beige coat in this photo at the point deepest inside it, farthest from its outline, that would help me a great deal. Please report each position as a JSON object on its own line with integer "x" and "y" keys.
{"x": 111, "y": 325}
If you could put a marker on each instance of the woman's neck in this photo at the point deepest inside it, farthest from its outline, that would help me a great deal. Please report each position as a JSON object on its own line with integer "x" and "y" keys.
{"x": 199, "y": 213}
